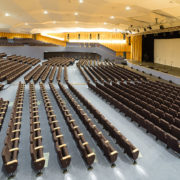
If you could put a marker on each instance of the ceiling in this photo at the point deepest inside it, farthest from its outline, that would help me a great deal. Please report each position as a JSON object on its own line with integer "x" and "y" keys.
{"x": 28, "y": 15}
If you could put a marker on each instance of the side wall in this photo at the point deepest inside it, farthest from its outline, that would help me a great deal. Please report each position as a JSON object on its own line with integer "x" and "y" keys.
{"x": 118, "y": 48}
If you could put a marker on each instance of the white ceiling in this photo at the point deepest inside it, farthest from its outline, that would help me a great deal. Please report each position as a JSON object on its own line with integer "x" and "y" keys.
{"x": 91, "y": 14}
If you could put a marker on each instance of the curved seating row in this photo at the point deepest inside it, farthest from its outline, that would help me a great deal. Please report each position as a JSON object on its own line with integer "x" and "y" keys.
{"x": 38, "y": 73}
{"x": 52, "y": 75}
{"x": 90, "y": 75}
{"x": 59, "y": 61}
{"x": 109, "y": 152}
{"x": 36, "y": 146}
{"x": 65, "y": 74}
{"x": 84, "y": 74}
{"x": 3, "y": 110}
{"x": 24, "y": 59}
{"x": 45, "y": 74}
{"x": 29, "y": 76}
{"x": 58, "y": 77}
{"x": 127, "y": 107}
{"x": 11, "y": 143}
{"x": 13, "y": 71}
{"x": 121, "y": 140}
{"x": 82, "y": 144}
{"x": 60, "y": 146}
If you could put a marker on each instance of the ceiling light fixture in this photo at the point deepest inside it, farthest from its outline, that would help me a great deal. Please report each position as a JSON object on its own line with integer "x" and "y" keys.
{"x": 105, "y": 23}
{"x": 111, "y": 17}
{"x": 76, "y": 13}
{"x": 81, "y": 1}
{"x": 128, "y": 8}
{"x": 7, "y": 14}
{"x": 45, "y": 12}
{"x": 76, "y": 22}
{"x": 26, "y": 24}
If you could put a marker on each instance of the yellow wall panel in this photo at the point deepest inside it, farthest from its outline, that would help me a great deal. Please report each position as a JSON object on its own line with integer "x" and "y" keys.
{"x": 136, "y": 48}
{"x": 50, "y": 40}
{"x": 103, "y": 36}
{"x": 15, "y": 35}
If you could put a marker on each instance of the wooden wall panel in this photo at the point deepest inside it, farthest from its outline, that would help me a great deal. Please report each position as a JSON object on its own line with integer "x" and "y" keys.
{"x": 136, "y": 48}
{"x": 50, "y": 40}
{"x": 103, "y": 36}
{"x": 15, "y": 35}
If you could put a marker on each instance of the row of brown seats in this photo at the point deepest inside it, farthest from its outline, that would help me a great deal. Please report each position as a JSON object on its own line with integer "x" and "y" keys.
{"x": 110, "y": 153}
{"x": 160, "y": 134}
{"x": 11, "y": 144}
{"x": 1, "y": 87}
{"x": 155, "y": 117}
{"x": 3, "y": 55}
{"x": 84, "y": 74}
{"x": 59, "y": 61}
{"x": 107, "y": 73}
{"x": 3, "y": 110}
{"x": 103, "y": 76}
{"x": 53, "y": 72}
{"x": 58, "y": 77}
{"x": 82, "y": 144}
{"x": 167, "y": 110}
{"x": 36, "y": 146}
{"x": 96, "y": 75}
{"x": 90, "y": 75}
{"x": 24, "y": 59}
{"x": 117, "y": 76}
{"x": 10, "y": 70}
{"x": 45, "y": 74}
{"x": 29, "y": 76}
{"x": 38, "y": 73}
{"x": 65, "y": 74}
{"x": 155, "y": 89}
{"x": 121, "y": 140}
{"x": 13, "y": 76}
{"x": 7, "y": 64}
{"x": 61, "y": 147}
{"x": 128, "y": 73}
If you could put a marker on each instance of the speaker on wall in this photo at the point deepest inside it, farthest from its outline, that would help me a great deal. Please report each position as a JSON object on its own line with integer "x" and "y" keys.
{"x": 129, "y": 40}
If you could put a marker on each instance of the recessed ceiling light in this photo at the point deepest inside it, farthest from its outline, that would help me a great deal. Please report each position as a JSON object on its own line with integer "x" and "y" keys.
{"x": 128, "y": 8}
{"x": 54, "y": 22}
{"x": 7, "y": 14}
{"x": 76, "y": 13}
{"x": 111, "y": 17}
{"x": 81, "y": 1}
{"x": 105, "y": 23}
{"x": 26, "y": 24}
{"x": 45, "y": 12}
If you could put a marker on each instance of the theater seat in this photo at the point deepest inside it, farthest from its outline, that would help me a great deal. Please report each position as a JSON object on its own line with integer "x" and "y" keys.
{"x": 173, "y": 143}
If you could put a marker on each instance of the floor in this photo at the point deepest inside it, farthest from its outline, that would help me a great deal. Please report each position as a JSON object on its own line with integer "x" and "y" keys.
{"x": 154, "y": 162}
{"x": 159, "y": 67}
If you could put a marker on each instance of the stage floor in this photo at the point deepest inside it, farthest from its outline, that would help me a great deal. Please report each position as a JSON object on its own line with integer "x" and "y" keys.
{"x": 159, "y": 67}
{"x": 154, "y": 163}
